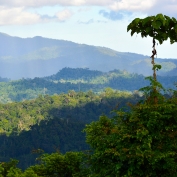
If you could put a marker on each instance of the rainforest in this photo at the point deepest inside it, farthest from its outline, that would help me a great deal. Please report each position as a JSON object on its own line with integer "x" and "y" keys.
{"x": 92, "y": 123}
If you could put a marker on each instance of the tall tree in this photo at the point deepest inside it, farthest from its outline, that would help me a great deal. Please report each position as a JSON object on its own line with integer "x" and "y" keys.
{"x": 143, "y": 141}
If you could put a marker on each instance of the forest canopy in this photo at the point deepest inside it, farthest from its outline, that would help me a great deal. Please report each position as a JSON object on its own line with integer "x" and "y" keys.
{"x": 139, "y": 139}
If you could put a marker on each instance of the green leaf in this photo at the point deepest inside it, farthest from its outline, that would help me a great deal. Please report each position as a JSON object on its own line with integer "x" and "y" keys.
{"x": 146, "y": 21}
{"x": 161, "y": 18}
{"x": 132, "y": 32}
{"x": 129, "y": 26}
{"x": 174, "y": 19}
{"x": 165, "y": 36}
{"x": 159, "y": 27}
{"x": 157, "y": 67}
{"x": 156, "y": 24}
{"x": 167, "y": 17}
{"x": 175, "y": 27}
{"x": 149, "y": 30}
{"x": 136, "y": 20}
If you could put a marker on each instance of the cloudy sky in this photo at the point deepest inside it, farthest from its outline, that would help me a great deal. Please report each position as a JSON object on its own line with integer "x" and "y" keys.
{"x": 93, "y": 22}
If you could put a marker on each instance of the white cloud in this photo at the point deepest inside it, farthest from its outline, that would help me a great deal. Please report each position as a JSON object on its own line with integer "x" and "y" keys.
{"x": 147, "y": 6}
{"x": 150, "y": 7}
{"x": 168, "y": 7}
{"x": 64, "y": 15}
{"x": 135, "y": 5}
{"x": 91, "y": 21}
{"x": 16, "y": 11}
{"x": 17, "y": 16}
{"x": 84, "y": 9}
{"x": 40, "y": 3}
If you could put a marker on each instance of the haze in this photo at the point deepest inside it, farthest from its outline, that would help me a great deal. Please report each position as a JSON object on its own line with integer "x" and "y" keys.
{"x": 98, "y": 22}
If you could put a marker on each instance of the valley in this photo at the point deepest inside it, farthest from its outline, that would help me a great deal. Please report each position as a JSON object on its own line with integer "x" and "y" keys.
{"x": 51, "y": 90}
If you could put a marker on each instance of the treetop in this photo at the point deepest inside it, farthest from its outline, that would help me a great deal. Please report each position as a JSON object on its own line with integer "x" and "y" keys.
{"x": 160, "y": 27}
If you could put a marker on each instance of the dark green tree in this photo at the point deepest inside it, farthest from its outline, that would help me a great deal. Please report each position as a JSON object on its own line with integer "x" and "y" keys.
{"x": 143, "y": 141}
{"x": 63, "y": 165}
{"x": 9, "y": 169}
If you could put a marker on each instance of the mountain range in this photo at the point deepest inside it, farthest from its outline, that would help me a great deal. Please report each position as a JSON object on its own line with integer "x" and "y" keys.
{"x": 40, "y": 57}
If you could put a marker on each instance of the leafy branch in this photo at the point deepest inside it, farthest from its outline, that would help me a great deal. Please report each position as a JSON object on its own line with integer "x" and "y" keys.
{"x": 159, "y": 27}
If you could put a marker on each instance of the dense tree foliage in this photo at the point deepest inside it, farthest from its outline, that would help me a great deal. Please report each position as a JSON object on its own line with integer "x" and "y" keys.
{"x": 18, "y": 116}
{"x": 56, "y": 164}
{"x": 71, "y": 164}
{"x": 139, "y": 140}
{"x": 53, "y": 122}
{"x": 77, "y": 80}
{"x": 74, "y": 74}
{"x": 159, "y": 27}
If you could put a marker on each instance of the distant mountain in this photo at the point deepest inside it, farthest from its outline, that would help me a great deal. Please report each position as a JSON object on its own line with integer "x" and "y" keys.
{"x": 39, "y": 57}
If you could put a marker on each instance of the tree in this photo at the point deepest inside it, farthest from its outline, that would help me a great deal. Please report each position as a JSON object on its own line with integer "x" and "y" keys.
{"x": 159, "y": 27}
{"x": 56, "y": 164}
{"x": 9, "y": 169}
{"x": 142, "y": 141}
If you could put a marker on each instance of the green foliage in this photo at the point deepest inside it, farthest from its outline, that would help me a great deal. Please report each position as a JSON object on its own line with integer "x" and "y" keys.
{"x": 9, "y": 169}
{"x": 74, "y": 74}
{"x": 53, "y": 122}
{"x": 159, "y": 27}
{"x": 140, "y": 140}
{"x": 77, "y": 80}
{"x": 155, "y": 89}
{"x": 19, "y": 116}
{"x": 156, "y": 67}
{"x": 70, "y": 164}
{"x": 137, "y": 143}
{"x": 56, "y": 164}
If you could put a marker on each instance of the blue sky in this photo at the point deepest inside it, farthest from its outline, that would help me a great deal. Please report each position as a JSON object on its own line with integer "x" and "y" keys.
{"x": 93, "y": 22}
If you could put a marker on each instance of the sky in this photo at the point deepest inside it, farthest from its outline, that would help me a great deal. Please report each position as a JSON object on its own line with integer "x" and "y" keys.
{"x": 93, "y": 22}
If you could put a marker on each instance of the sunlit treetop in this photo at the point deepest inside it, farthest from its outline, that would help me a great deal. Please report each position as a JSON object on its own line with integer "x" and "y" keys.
{"x": 159, "y": 27}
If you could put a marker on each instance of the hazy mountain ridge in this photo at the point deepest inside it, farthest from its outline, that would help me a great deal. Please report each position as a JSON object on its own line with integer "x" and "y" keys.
{"x": 39, "y": 57}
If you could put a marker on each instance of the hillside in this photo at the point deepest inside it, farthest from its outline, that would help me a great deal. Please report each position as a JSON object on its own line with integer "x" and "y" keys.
{"x": 53, "y": 123}
{"x": 61, "y": 86}
{"x": 39, "y": 57}
{"x": 77, "y": 79}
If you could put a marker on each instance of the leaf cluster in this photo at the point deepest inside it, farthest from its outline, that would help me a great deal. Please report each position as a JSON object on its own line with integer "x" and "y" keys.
{"x": 154, "y": 90}
{"x": 159, "y": 27}
{"x": 63, "y": 165}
